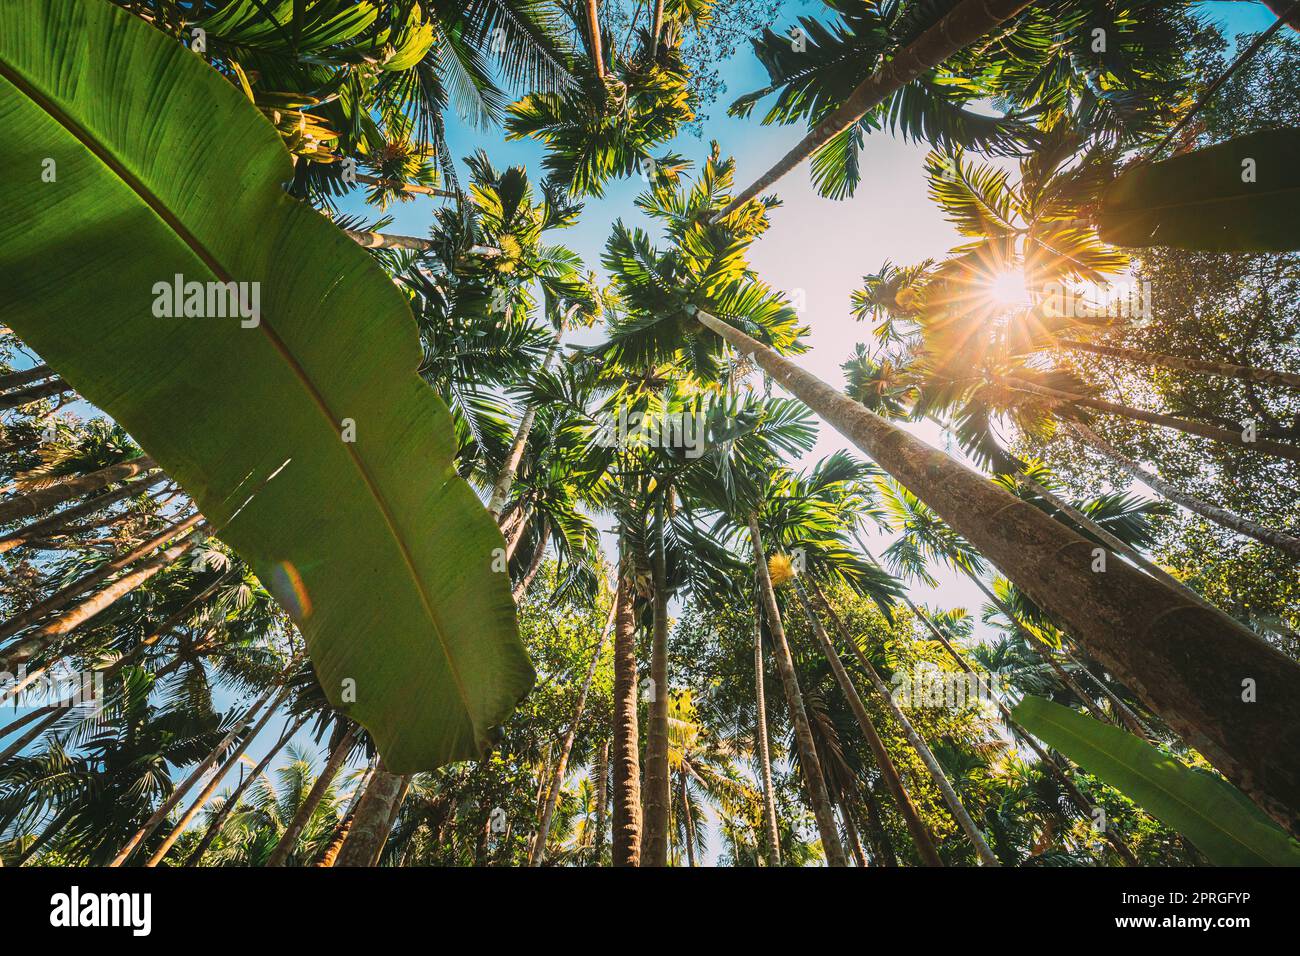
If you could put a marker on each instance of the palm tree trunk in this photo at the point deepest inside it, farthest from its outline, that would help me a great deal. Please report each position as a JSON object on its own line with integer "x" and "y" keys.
{"x": 382, "y": 240}
{"x": 1220, "y": 516}
{"x": 206, "y": 793}
{"x": 602, "y": 800}
{"x": 1112, "y": 542}
{"x": 920, "y": 834}
{"x": 370, "y": 827}
{"x": 40, "y": 530}
{"x": 289, "y": 839}
{"x": 227, "y": 808}
{"x": 330, "y": 855}
{"x": 506, "y": 476}
{"x": 25, "y": 377}
{"x": 656, "y": 28}
{"x": 966, "y": 23}
{"x": 534, "y": 566}
{"x": 881, "y": 847}
{"x": 43, "y": 499}
{"x": 851, "y": 831}
{"x": 405, "y": 187}
{"x": 593, "y": 36}
{"x": 626, "y": 835}
{"x": 764, "y": 749}
{"x": 179, "y": 791}
{"x": 687, "y": 818}
{"x": 1245, "y": 373}
{"x": 1146, "y": 634}
{"x": 1186, "y": 426}
{"x": 808, "y": 762}
{"x": 654, "y": 839}
{"x": 537, "y": 854}
{"x": 68, "y": 622}
{"x": 33, "y": 393}
{"x": 65, "y": 595}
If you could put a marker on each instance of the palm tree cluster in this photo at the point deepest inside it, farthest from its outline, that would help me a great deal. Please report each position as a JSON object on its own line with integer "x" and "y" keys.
{"x": 730, "y": 643}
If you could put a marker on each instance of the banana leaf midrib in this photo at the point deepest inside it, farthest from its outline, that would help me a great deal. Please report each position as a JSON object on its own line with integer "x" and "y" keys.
{"x": 146, "y": 196}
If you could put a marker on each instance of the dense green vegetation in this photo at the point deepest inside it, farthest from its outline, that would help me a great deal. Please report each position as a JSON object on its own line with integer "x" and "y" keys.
{"x": 455, "y": 549}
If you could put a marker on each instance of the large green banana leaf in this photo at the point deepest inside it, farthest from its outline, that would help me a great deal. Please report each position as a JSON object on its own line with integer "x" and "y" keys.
{"x": 1214, "y": 815}
{"x": 161, "y": 168}
{"x": 1238, "y": 196}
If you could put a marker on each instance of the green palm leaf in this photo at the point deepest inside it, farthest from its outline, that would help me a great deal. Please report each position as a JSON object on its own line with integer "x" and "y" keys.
{"x": 379, "y": 552}
{"x": 1223, "y": 824}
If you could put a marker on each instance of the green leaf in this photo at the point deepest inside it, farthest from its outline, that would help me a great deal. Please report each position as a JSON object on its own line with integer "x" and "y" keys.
{"x": 1200, "y": 200}
{"x": 1222, "y": 822}
{"x": 378, "y": 550}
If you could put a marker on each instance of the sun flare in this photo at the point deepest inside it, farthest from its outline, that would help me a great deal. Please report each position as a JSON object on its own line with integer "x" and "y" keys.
{"x": 1008, "y": 288}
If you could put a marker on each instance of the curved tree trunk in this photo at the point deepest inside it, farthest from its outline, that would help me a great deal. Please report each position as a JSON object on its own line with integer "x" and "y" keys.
{"x": 814, "y": 782}
{"x": 687, "y": 818}
{"x": 851, "y": 831}
{"x": 1245, "y": 373}
{"x": 40, "y": 530}
{"x": 925, "y": 845}
{"x": 654, "y": 836}
{"x": 1220, "y": 516}
{"x": 219, "y": 821}
{"x": 373, "y": 820}
{"x": 764, "y": 748}
{"x": 289, "y": 839}
{"x": 1149, "y": 636}
{"x": 626, "y": 836}
{"x": 967, "y": 22}
{"x": 535, "y": 565}
{"x": 206, "y": 793}
{"x": 43, "y": 499}
{"x": 331, "y": 853}
{"x": 537, "y": 853}
{"x": 1186, "y": 426}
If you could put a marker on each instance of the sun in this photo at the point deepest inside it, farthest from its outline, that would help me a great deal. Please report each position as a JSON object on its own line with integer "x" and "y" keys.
{"x": 1008, "y": 288}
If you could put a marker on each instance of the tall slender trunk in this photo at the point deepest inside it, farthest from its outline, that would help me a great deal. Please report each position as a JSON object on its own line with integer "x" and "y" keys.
{"x": 183, "y": 788}
{"x": 602, "y": 801}
{"x": 812, "y": 769}
{"x": 966, "y": 23}
{"x": 626, "y": 834}
{"x": 537, "y": 854}
{"x": 1245, "y": 373}
{"x": 40, "y": 530}
{"x": 534, "y": 566}
{"x": 206, "y": 793}
{"x": 594, "y": 39}
{"x": 289, "y": 839}
{"x": 33, "y": 393}
{"x": 83, "y": 611}
{"x": 1149, "y": 636}
{"x": 654, "y": 839}
{"x": 656, "y": 28}
{"x": 1220, "y": 516}
{"x": 1184, "y": 425}
{"x": 370, "y": 827}
{"x": 851, "y": 831}
{"x": 232, "y": 802}
{"x": 65, "y": 595}
{"x": 25, "y": 377}
{"x": 331, "y": 853}
{"x": 914, "y": 739}
{"x": 764, "y": 748}
{"x": 687, "y": 818}
{"x": 881, "y": 846}
{"x": 506, "y": 476}
{"x": 43, "y": 499}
